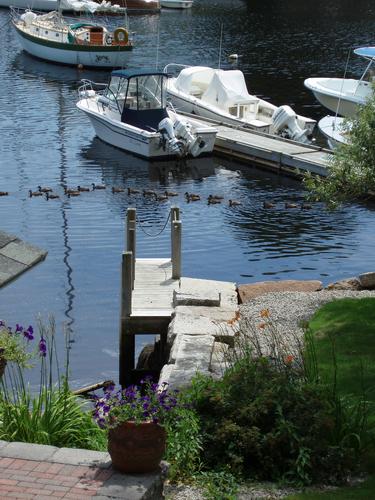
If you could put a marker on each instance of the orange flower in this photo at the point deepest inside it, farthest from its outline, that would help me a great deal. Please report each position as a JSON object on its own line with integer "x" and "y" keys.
{"x": 288, "y": 359}
{"x": 262, "y": 325}
{"x": 264, "y": 313}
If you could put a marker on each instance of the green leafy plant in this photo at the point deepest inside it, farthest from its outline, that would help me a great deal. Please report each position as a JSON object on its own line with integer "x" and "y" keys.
{"x": 53, "y": 414}
{"x": 217, "y": 485}
{"x": 16, "y": 343}
{"x": 351, "y": 173}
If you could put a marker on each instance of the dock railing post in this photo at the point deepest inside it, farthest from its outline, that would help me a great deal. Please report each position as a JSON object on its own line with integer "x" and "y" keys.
{"x": 127, "y": 341}
{"x": 176, "y": 230}
{"x": 131, "y": 216}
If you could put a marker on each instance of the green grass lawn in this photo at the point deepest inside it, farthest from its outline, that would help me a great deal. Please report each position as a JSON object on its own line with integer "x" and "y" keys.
{"x": 344, "y": 330}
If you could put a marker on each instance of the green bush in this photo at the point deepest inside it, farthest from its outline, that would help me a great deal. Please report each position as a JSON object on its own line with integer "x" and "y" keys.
{"x": 264, "y": 423}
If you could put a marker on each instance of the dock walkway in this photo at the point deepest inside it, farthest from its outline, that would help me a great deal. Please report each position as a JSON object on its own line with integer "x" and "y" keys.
{"x": 273, "y": 152}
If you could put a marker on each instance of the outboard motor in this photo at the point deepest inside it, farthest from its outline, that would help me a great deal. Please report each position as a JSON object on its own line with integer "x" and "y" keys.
{"x": 166, "y": 129}
{"x": 183, "y": 131}
{"x": 285, "y": 124}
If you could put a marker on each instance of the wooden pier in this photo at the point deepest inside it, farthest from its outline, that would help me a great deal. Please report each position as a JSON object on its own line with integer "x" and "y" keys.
{"x": 146, "y": 292}
{"x": 270, "y": 151}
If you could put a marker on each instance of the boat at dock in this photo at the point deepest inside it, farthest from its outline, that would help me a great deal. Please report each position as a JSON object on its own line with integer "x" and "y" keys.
{"x": 53, "y": 38}
{"x": 343, "y": 96}
{"x": 334, "y": 130}
{"x": 74, "y": 6}
{"x": 176, "y": 4}
{"x": 222, "y": 95}
{"x": 131, "y": 113}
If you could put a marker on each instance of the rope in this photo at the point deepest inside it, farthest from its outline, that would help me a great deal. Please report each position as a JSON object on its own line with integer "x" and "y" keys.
{"x": 157, "y": 234}
{"x": 3, "y": 25}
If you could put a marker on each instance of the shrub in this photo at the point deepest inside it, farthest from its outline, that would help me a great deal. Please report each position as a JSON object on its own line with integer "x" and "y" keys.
{"x": 270, "y": 418}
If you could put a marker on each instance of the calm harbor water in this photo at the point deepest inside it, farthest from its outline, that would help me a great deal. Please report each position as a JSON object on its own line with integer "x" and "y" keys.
{"x": 45, "y": 140}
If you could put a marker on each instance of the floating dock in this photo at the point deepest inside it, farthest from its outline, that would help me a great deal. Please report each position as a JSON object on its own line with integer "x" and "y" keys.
{"x": 270, "y": 151}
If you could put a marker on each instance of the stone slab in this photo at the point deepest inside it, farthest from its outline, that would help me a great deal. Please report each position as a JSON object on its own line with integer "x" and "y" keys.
{"x": 346, "y": 284}
{"x": 182, "y": 378}
{"x": 218, "y": 364}
{"x": 253, "y": 290}
{"x": 194, "y": 353}
{"x": 200, "y": 287}
{"x": 76, "y": 456}
{"x": 165, "y": 373}
{"x": 9, "y": 269}
{"x": 229, "y": 314}
{"x": 23, "y": 252}
{"x": 202, "y": 298}
{"x": 6, "y": 238}
{"x": 28, "y": 451}
{"x": 135, "y": 486}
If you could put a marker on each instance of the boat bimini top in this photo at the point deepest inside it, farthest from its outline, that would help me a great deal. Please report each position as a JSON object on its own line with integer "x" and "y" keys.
{"x": 140, "y": 96}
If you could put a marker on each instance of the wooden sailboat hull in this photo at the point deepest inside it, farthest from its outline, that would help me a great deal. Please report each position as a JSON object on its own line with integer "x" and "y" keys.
{"x": 105, "y": 56}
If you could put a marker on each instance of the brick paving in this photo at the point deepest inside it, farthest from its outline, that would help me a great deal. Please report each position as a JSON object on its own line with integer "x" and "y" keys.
{"x": 33, "y": 471}
{"x": 29, "y": 479}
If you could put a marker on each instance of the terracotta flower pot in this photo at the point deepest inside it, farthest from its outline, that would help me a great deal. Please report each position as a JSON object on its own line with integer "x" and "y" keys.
{"x": 3, "y": 363}
{"x": 136, "y": 448}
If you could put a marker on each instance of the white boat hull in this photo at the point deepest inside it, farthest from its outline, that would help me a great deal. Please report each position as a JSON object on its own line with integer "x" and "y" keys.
{"x": 332, "y": 128}
{"x": 49, "y": 5}
{"x": 129, "y": 138}
{"x": 91, "y": 58}
{"x": 341, "y": 96}
{"x": 176, "y": 4}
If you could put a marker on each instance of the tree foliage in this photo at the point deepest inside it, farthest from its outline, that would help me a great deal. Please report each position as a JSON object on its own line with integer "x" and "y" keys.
{"x": 351, "y": 170}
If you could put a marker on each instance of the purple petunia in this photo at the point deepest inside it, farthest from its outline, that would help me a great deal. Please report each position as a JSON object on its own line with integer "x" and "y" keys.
{"x": 29, "y": 333}
{"x": 19, "y": 328}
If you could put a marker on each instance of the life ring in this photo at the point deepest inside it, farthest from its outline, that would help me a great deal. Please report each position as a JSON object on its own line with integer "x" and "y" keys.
{"x": 121, "y": 36}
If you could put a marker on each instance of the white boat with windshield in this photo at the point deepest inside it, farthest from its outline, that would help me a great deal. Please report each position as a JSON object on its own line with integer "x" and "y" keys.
{"x": 222, "y": 95}
{"x": 334, "y": 130}
{"x": 131, "y": 113}
{"x": 343, "y": 96}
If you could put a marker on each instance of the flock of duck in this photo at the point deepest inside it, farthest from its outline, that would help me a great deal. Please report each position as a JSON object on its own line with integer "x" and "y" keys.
{"x": 49, "y": 194}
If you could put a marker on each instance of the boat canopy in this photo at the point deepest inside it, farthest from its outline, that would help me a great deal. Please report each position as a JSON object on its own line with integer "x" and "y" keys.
{"x": 227, "y": 89}
{"x": 130, "y": 73}
{"x": 365, "y": 52}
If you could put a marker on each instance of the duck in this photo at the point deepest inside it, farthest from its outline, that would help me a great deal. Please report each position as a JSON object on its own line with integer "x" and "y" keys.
{"x": 290, "y": 205}
{"x": 192, "y": 196}
{"x": 4, "y": 193}
{"x": 45, "y": 189}
{"x": 161, "y": 197}
{"x": 268, "y": 204}
{"x": 81, "y": 188}
{"x": 35, "y": 193}
{"x": 234, "y": 203}
{"x": 216, "y": 197}
{"x": 133, "y": 191}
{"x": 98, "y": 186}
{"x": 52, "y": 196}
{"x": 170, "y": 193}
{"x": 212, "y": 201}
{"x": 149, "y": 192}
{"x": 117, "y": 189}
{"x": 306, "y": 206}
{"x": 69, "y": 191}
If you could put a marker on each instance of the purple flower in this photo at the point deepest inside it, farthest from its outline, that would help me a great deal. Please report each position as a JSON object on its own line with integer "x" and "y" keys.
{"x": 28, "y": 333}
{"x": 42, "y": 347}
{"x": 19, "y": 328}
{"x": 2, "y": 322}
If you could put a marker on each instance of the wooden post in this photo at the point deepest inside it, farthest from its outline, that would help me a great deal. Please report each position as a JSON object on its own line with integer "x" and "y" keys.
{"x": 131, "y": 216}
{"x": 176, "y": 249}
{"x": 127, "y": 341}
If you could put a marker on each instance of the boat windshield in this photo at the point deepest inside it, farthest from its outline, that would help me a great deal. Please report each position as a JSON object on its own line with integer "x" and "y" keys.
{"x": 146, "y": 92}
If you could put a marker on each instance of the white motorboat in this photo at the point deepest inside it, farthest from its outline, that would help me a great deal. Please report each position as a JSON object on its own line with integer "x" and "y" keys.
{"x": 343, "y": 96}
{"x": 222, "y": 96}
{"x": 76, "y": 6}
{"x": 131, "y": 113}
{"x": 334, "y": 130}
{"x": 176, "y": 4}
{"x": 51, "y": 37}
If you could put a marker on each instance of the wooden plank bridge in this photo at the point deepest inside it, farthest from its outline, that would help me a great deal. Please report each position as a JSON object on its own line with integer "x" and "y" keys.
{"x": 147, "y": 287}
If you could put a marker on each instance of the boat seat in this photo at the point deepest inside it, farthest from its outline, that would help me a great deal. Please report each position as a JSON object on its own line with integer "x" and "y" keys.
{"x": 196, "y": 91}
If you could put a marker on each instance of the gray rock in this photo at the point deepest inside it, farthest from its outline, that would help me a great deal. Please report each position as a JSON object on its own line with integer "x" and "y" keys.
{"x": 28, "y": 451}
{"x": 347, "y": 284}
{"x": 204, "y": 298}
{"x": 367, "y": 280}
{"x": 76, "y": 456}
{"x": 194, "y": 353}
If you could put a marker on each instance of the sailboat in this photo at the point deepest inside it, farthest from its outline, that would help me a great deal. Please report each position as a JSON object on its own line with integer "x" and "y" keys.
{"x": 51, "y": 37}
